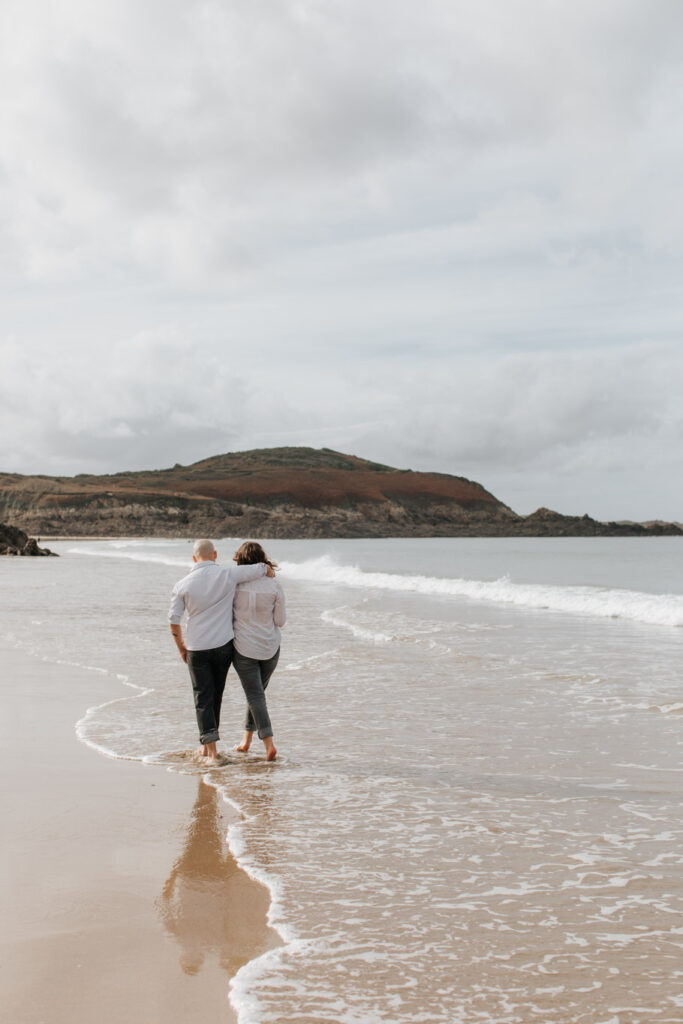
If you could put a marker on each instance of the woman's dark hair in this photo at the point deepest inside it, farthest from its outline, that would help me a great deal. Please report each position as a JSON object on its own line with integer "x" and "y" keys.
{"x": 250, "y": 553}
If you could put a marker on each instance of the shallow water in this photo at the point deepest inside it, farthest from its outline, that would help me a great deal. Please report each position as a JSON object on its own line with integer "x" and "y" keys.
{"x": 476, "y": 814}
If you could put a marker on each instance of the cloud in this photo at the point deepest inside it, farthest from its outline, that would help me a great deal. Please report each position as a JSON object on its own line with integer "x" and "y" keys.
{"x": 134, "y": 403}
{"x": 534, "y": 409}
{"x": 578, "y": 421}
{"x": 187, "y": 141}
{"x": 155, "y": 399}
{"x": 318, "y": 222}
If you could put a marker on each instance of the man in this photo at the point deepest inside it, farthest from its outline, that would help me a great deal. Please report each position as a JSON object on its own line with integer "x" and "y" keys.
{"x": 206, "y": 595}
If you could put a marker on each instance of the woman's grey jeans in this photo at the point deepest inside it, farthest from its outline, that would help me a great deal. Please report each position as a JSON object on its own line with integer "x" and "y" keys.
{"x": 254, "y": 676}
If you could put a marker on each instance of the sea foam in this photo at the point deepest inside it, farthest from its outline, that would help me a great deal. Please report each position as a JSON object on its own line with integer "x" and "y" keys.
{"x": 133, "y": 556}
{"x": 654, "y": 609}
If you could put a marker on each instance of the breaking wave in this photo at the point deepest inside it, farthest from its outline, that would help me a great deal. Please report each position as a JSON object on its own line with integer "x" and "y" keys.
{"x": 654, "y": 609}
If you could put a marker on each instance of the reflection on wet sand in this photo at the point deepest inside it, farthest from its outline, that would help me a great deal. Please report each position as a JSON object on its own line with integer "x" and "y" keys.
{"x": 209, "y": 905}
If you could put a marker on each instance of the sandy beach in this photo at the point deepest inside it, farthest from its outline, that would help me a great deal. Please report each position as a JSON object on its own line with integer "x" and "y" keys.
{"x": 120, "y": 899}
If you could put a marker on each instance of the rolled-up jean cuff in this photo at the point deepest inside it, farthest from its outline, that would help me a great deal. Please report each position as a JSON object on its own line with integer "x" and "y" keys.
{"x": 209, "y": 737}
{"x": 263, "y": 733}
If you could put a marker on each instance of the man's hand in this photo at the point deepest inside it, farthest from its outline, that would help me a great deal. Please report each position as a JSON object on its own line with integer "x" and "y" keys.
{"x": 180, "y": 643}
{"x": 270, "y": 571}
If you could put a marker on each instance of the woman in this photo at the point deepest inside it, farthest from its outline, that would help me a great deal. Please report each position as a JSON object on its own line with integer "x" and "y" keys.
{"x": 258, "y": 612}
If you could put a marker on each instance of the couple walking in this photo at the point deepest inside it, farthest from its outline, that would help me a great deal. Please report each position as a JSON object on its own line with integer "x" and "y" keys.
{"x": 233, "y": 617}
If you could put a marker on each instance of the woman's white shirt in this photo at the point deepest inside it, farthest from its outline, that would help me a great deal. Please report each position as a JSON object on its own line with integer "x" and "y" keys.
{"x": 258, "y": 611}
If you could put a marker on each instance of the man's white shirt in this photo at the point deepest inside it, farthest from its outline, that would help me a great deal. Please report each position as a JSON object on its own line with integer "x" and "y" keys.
{"x": 206, "y": 595}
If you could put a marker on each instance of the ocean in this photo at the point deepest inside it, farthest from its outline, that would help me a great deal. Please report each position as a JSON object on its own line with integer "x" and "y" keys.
{"x": 475, "y": 815}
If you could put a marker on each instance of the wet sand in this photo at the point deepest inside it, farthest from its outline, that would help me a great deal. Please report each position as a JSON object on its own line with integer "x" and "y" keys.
{"x": 120, "y": 901}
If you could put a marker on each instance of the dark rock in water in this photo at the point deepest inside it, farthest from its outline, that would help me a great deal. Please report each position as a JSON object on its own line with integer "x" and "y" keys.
{"x": 14, "y": 541}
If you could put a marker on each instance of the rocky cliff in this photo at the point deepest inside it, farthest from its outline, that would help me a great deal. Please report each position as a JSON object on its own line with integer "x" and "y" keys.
{"x": 14, "y": 541}
{"x": 280, "y": 492}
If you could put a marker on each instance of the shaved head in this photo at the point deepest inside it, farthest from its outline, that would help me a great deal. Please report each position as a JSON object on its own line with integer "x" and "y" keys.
{"x": 203, "y": 550}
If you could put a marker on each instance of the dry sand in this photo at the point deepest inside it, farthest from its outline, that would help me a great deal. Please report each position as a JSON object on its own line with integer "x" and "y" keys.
{"x": 120, "y": 902}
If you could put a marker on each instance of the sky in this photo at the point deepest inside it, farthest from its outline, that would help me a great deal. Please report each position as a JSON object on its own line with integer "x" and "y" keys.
{"x": 441, "y": 235}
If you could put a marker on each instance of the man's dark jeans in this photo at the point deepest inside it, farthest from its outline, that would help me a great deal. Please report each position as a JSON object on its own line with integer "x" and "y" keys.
{"x": 208, "y": 670}
{"x": 254, "y": 676}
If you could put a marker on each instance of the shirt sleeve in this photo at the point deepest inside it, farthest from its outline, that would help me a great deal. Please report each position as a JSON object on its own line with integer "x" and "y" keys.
{"x": 244, "y": 573}
{"x": 279, "y": 612}
{"x": 177, "y": 609}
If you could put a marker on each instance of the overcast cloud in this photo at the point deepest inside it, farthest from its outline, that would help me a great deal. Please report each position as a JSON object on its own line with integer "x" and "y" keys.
{"x": 445, "y": 235}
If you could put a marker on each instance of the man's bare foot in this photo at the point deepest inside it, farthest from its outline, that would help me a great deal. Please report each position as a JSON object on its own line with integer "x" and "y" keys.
{"x": 201, "y": 757}
{"x": 216, "y": 760}
{"x": 208, "y": 752}
{"x": 271, "y": 752}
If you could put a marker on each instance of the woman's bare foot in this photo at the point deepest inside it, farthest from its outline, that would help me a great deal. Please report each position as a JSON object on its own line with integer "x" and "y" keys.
{"x": 271, "y": 752}
{"x": 243, "y": 747}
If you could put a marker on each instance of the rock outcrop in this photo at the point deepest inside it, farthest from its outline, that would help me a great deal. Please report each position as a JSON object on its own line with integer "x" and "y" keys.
{"x": 546, "y": 523}
{"x": 282, "y": 493}
{"x": 14, "y": 541}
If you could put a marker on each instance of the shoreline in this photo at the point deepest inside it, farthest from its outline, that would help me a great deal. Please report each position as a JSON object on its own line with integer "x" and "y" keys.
{"x": 645, "y": 534}
{"x": 119, "y": 903}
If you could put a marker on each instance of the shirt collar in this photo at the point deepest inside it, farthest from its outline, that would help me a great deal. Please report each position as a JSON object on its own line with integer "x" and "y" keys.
{"x": 203, "y": 565}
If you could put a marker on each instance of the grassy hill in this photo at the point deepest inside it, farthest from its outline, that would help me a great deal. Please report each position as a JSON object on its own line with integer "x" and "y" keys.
{"x": 272, "y": 492}
{"x": 281, "y": 492}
